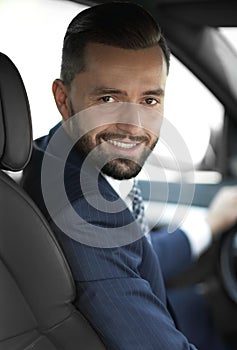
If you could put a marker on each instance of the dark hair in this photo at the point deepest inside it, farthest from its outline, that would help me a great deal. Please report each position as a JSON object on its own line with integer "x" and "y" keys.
{"x": 120, "y": 24}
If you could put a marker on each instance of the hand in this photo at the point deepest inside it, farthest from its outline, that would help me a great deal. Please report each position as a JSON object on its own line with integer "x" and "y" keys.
{"x": 222, "y": 212}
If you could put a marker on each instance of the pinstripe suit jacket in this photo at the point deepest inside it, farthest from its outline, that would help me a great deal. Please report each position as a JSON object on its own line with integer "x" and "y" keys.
{"x": 120, "y": 287}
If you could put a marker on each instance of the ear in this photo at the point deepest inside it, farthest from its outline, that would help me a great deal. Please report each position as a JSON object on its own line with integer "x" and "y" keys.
{"x": 61, "y": 97}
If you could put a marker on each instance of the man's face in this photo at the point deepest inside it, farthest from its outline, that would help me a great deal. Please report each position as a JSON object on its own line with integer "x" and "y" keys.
{"x": 117, "y": 77}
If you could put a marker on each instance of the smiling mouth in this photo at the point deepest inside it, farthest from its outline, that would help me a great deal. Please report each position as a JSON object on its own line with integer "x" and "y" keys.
{"x": 123, "y": 145}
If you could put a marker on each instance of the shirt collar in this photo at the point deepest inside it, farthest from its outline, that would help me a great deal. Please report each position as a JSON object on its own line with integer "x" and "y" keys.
{"x": 121, "y": 187}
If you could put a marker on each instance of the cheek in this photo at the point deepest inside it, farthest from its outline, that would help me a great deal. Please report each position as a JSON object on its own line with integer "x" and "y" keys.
{"x": 93, "y": 135}
{"x": 153, "y": 139}
{"x": 151, "y": 120}
{"x": 153, "y": 128}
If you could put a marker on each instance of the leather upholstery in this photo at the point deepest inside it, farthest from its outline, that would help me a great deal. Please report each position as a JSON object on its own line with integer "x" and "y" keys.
{"x": 15, "y": 125}
{"x": 37, "y": 289}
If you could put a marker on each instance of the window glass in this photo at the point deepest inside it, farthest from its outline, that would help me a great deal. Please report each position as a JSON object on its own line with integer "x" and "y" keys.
{"x": 32, "y": 33}
{"x": 195, "y": 116}
{"x": 231, "y": 35}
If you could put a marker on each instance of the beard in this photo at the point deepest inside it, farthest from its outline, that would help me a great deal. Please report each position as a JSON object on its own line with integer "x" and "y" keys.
{"x": 117, "y": 167}
{"x": 121, "y": 168}
{"x": 114, "y": 165}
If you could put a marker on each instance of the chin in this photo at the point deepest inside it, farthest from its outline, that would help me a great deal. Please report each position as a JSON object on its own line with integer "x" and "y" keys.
{"x": 122, "y": 169}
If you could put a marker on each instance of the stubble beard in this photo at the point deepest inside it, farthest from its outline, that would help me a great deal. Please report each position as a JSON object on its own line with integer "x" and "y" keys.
{"x": 117, "y": 168}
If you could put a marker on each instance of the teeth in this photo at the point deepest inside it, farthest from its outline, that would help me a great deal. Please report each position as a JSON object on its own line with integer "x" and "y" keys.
{"x": 121, "y": 144}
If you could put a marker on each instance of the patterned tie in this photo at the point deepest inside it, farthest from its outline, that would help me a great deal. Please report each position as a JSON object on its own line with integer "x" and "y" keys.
{"x": 138, "y": 209}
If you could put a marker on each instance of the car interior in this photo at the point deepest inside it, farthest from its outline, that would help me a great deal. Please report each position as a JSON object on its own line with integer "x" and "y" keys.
{"x": 37, "y": 308}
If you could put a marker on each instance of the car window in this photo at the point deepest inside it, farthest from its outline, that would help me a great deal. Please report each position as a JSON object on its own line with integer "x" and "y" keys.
{"x": 195, "y": 116}
{"x": 33, "y": 35}
{"x": 198, "y": 118}
{"x": 193, "y": 109}
{"x": 230, "y": 34}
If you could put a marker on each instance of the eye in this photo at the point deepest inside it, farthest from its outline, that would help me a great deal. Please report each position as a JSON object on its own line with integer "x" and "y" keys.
{"x": 107, "y": 99}
{"x": 151, "y": 101}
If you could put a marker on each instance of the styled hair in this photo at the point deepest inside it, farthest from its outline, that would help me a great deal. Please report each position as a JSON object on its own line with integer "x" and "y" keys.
{"x": 119, "y": 24}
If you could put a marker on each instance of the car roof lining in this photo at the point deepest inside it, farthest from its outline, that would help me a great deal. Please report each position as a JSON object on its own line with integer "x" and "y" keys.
{"x": 200, "y": 12}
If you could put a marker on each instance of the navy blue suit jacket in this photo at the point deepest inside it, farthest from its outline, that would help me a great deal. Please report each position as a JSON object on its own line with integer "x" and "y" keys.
{"x": 120, "y": 288}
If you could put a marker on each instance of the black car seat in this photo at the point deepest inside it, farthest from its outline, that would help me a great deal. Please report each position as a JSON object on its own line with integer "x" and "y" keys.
{"x": 36, "y": 285}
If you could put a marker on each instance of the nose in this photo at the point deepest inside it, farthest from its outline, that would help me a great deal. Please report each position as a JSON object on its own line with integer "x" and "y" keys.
{"x": 130, "y": 129}
{"x": 130, "y": 119}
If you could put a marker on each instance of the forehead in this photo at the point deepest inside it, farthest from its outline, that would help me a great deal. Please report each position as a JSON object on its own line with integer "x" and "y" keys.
{"x": 99, "y": 56}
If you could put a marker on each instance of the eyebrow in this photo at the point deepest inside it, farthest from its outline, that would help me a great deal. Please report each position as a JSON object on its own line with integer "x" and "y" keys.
{"x": 157, "y": 92}
{"x": 104, "y": 90}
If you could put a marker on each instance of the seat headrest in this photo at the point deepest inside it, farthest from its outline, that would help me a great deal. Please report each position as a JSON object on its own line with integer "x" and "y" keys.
{"x": 15, "y": 119}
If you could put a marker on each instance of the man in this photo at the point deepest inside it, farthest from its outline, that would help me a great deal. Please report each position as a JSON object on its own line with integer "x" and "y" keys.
{"x": 111, "y": 96}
